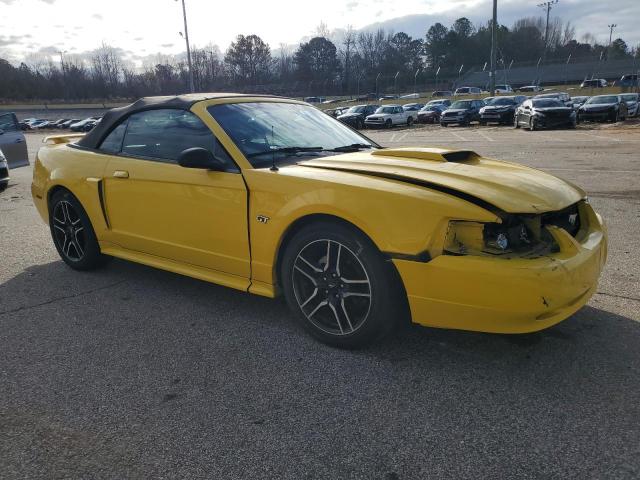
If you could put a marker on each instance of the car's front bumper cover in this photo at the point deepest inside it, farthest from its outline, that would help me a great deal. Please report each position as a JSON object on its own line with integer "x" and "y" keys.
{"x": 490, "y": 294}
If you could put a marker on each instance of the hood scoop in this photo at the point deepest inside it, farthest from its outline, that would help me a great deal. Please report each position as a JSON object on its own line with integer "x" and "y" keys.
{"x": 430, "y": 154}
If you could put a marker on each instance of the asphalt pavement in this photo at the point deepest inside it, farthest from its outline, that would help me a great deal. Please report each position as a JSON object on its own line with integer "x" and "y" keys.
{"x": 131, "y": 372}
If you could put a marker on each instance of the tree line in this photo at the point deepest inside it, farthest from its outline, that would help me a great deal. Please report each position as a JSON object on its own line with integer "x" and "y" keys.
{"x": 346, "y": 62}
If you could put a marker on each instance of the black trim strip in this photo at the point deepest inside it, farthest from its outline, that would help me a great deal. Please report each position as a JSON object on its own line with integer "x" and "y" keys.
{"x": 102, "y": 205}
{"x": 422, "y": 257}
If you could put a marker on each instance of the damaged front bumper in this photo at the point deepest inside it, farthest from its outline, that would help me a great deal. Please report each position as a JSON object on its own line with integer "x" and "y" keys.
{"x": 515, "y": 295}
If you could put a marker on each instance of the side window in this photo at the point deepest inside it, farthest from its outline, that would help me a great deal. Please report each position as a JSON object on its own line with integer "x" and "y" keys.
{"x": 164, "y": 134}
{"x": 113, "y": 142}
{"x": 8, "y": 123}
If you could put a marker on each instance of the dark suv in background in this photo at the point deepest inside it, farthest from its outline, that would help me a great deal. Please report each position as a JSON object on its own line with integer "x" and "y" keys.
{"x": 500, "y": 110}
{"x": 355, "y": 116}
{"x": 462, "y": 112}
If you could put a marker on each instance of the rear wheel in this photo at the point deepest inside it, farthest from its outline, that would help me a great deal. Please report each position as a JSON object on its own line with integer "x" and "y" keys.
{"x": 409, "y": 121}
{"x": 3, "y": 186}
{"x": 73, "y": 234}
{"x": 340, "y": 287}
{"x": 442, "y": 124}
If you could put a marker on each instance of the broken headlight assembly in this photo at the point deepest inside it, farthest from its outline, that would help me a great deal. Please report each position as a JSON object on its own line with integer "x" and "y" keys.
{"x": 521, "y": 235}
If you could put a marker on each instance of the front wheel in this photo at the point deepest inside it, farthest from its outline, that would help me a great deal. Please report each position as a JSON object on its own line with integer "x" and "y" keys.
{"x": 388, "y": 123}
{"x": 73, "y": 234}
{"x": 409, "y": 121}
{"x": 340, "y": 287}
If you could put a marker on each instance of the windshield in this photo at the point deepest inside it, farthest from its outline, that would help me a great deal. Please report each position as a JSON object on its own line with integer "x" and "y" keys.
{"x": 358, "y": 109}
{"x": 602, "y": 99}
{"x": 265, "y": 126}
{"x": 547, "y": 103}
{"x": 431, "y": 108}
{"x": 385, "y": 110}
{"x": 502, "y": 101}
{"x": 461, "y": 104}
{"x": 630, "y": 97}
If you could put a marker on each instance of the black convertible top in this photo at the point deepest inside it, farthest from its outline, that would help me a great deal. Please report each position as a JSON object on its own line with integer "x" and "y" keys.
{"x": 94, "y": 138}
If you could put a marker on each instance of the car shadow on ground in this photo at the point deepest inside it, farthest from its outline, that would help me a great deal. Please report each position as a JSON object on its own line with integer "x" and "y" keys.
{"x": 123, "y": 286}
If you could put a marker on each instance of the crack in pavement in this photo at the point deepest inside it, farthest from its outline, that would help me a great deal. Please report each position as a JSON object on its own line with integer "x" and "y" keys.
{"x": 618, "y": 296}
{"x": 57, "y": 299}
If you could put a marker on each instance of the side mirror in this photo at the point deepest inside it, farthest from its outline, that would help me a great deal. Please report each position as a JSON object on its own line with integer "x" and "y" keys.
{"x": 199, "y": 157}
{"x": 1, "y": 131}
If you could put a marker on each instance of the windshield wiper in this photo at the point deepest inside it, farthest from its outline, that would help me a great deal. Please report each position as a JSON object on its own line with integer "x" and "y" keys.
{"x": 285, "y": 150}
{"x": 354, "y": 147}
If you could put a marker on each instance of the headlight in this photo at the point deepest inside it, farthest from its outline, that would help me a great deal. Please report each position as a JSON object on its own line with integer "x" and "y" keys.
{"x": 493, "y": 238}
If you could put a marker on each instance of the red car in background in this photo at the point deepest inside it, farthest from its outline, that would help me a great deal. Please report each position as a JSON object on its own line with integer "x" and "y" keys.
{"x": 430, "y": 113}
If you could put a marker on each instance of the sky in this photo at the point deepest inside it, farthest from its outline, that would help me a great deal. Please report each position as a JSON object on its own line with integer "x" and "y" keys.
{"x": 143, "y": 29}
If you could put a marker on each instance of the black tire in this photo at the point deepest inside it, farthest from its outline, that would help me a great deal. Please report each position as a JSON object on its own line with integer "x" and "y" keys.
{"x": 409, "y": 121}
{"x": 388, "y": 123}
{"x": 483, "y": 123}
{"x": 360, "y": 124}
{"x": 3, "y": 186}
{"x": 443, "y": 124}
{"x": 68, "y": 219}
{"x": 350, "y": 301}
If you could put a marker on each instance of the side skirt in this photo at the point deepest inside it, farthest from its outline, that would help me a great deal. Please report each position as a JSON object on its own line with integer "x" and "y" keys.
{"x": 193, "y": 271}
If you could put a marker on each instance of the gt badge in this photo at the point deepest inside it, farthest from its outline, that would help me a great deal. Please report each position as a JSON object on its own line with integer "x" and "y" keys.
{"x": 263, "y": 218}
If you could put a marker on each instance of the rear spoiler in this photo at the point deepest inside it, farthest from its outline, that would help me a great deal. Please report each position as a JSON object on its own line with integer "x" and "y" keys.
{"x": 58, "y": 139}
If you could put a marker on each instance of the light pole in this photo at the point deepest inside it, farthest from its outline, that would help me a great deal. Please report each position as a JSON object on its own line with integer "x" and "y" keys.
{"x": 64, "y": 86}
{"x": 377, "y": 78}
{"x": 395, "y": 83}
{"x": 186, "y": 39}
{"x": 494, "y": 41}
{"x": 437, "y": 73}
{"x": 415, "y": 81}
{"x": 547, "y": 6}
{"x": 611, "y": 27}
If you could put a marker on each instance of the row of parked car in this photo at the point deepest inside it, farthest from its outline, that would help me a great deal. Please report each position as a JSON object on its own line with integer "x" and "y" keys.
{"x": 547, "y": 110}
{"x": 73, "y": 124}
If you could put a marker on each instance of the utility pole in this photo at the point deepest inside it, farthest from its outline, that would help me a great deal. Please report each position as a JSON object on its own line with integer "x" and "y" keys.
{"x": 547, "y": 6}
{"x": 64, "y": 80}
{"x": 494, "y": 41}
{"x": 611, "y": 27}
{"x": 186, "y": 39}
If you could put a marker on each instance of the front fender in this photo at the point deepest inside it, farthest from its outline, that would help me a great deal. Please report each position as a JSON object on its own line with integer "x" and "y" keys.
{"x": 399, "y": 218}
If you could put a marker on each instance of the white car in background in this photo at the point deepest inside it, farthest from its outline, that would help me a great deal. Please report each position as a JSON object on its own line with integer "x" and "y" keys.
{"x": 389, "y": 115}
{"x": 462, "y": 91}
{"x": 504, "y": 89}
{"x": 4, "y": 173}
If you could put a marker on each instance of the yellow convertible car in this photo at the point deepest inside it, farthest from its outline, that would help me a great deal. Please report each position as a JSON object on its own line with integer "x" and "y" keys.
{"x": 271, "y": 196}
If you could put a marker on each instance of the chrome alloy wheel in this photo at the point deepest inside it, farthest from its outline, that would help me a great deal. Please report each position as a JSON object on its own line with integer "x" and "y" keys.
{"x": 68, "y": 231}
{"x": 331, "y": 287}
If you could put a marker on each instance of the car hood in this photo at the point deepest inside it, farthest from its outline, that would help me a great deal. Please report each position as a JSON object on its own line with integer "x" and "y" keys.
{"x": 510, "y": 187}
{"x": 554, "y": 109}
{"x": 456, "y": 110}
{"x": 598, "y": 106}
{"x": 350, "y": 115}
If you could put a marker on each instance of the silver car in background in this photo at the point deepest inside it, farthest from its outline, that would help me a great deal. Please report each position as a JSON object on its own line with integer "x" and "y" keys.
{"x": 4, "y": 172}
{"x": 12, "y": 141}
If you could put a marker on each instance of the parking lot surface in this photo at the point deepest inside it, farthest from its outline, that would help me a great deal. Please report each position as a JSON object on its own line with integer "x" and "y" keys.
{"x": 131, "y": 372}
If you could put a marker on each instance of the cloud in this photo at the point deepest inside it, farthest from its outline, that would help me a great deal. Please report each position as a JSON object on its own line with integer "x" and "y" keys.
{"x": 97, "y": 16}
{"x": 167, "y": 45}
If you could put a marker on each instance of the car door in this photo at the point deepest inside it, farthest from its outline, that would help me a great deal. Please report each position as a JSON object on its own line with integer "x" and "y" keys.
{"x": 12, "y": 141}
{"x": 154, "y": 206}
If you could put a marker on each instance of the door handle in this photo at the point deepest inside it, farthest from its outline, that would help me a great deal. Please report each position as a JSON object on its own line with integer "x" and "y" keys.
{"x": 121, "y": 174}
